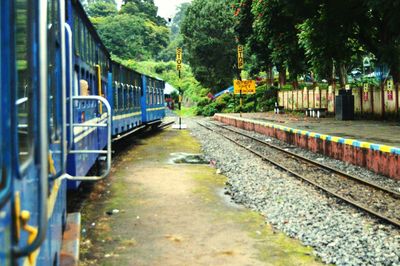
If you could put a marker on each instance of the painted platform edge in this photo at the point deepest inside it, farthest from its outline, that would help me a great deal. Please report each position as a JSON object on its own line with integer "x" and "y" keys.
{"x": 70, "y": 246}
{"x": 352, "y": 142}
{"x": 381, "y": 159}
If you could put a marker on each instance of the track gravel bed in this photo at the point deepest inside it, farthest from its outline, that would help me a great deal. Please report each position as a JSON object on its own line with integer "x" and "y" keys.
{"x": 339, "y": 233}
{"x": 374, "y": 199}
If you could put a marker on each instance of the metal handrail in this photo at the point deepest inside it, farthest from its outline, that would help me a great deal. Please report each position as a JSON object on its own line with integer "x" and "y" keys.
{"x": 106, "y": 152}
{"x": 43, "y": 135}
{"x": 6, "y": 191}
{"x": 68, "y": 28}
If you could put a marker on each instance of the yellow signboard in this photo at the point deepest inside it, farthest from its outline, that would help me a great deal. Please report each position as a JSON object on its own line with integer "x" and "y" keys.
{"x": 244, "y": 86}
{"x": 389, "y": 85}
{"x": 179, "y": 59}
{"x": 240, "y": 57}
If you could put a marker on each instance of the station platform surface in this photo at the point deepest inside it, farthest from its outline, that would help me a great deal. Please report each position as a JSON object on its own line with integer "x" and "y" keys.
{"x": 374, "y": 145}
{"x": 377, "y": 132}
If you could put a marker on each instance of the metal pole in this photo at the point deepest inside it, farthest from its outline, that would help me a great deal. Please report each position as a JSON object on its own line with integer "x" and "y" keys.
{"x": 180, "y": 101}
{"x": 241, "y": 103}
{"x": 241, "y": 99}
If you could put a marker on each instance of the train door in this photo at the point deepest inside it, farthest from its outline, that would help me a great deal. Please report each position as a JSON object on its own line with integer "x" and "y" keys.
{"x": 144, "y": 98}
{"x": 29, "y": 129}
{"x": 5, "y": 162}
{"x": 56, "y": 87}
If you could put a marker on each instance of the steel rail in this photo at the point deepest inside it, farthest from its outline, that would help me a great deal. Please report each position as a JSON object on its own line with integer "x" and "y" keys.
{"x": 335, "y": 170}
{"x": 264, "y": 158}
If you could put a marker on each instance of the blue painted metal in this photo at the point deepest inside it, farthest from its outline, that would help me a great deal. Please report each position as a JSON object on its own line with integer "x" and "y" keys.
{"x": 144, "y": 98}
{"x": 228, "y": 90}
{"x": 5, "y": 137}
{"x": 146, "y": 105}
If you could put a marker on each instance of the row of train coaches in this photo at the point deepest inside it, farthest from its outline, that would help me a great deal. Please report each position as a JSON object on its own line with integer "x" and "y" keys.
{"x": 63, "y": 101}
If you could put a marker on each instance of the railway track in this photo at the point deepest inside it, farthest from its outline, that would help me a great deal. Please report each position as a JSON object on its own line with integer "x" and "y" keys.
{"x": 367, "y": 196}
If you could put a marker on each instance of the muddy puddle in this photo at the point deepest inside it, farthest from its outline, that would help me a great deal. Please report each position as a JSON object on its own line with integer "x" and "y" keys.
{"x": 187, "y": 158}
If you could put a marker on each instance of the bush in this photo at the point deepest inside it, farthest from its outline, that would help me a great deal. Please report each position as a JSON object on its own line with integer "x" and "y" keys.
{"x": 266, "y": 98}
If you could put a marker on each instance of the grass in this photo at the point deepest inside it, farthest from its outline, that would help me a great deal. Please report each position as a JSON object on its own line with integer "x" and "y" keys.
{"x": 186, "y": 111}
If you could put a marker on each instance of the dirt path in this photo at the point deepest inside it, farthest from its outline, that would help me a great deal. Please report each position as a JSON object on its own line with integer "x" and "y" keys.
{"x": 176, "y": 214}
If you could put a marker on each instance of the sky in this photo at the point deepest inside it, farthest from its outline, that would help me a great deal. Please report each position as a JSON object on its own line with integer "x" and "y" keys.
{"x": 166, "y": 8}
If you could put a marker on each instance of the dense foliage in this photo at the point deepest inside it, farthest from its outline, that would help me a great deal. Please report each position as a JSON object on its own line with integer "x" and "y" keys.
{"x": 326, "y": 39}
{"x": 134, "y": 32}
{"x": 309, "y": 41}
{"x": 209, "y": 42}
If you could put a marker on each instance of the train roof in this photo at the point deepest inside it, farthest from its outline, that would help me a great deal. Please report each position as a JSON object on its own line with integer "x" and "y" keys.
{"x": 130, "y": 69}
{"x": 82, "y": 14}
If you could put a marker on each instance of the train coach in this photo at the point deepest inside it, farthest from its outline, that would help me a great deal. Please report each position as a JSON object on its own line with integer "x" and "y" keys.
{"x": 63, "y": 100}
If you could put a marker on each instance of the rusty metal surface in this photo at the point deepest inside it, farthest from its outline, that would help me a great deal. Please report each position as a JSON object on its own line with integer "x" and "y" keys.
{"x": 70, "y": 246}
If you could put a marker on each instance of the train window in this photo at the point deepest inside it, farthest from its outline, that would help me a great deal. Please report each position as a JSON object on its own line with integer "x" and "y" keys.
{"x": 134, "y": 92}
{"x": 149, "y": 89}
{"x": 104, "y": 92}
{"x": 89, "y": 48}
{"x": 120, "y": 97}
{"x": 137, "y": 96}
{"x": 91, "y": 51}
{"x": 115, "y": 104}
{"x": 54, "y": 76}
{"x": 81, "y": 40}
{"x": 95, "y": 58}
{"x": 24, "y": 80}
{"x": 76, "y": 34}
{"x": 84, "y": 42}
{"x": 128, "y": 96}
{"x": 151, "y": 94}
{"x": 125, "y": 93}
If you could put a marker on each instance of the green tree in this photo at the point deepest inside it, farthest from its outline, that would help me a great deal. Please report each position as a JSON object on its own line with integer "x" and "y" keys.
{"x": 379, "y": 31}
{"x": 135, "y": 33}
{"x": 143, "y": 8}
{"x": 329, "y": 37}
{"x": 132, "y": 37}
{"x": 209, "y": 42}
{"x": 102, "y": 9}
{"x": 276, "y": 25}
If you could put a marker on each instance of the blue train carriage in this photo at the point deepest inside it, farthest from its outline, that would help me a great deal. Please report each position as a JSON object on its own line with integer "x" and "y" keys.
{"x": 153, "y": 101}
{"x": 126, "y": 106}
{"x": 32, "y": 191}
{"x": 6, "y": 66}
{"x": 37, "y": 74}
{"x": 89, "y": 72}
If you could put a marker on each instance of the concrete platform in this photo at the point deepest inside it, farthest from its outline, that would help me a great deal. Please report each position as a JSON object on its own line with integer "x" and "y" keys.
{"x": 370, "y": 144}
{"x": 70, "y": 246}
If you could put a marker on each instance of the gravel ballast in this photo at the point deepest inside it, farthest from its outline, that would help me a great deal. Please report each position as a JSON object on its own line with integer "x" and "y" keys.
{"x": 340, "y": 234}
